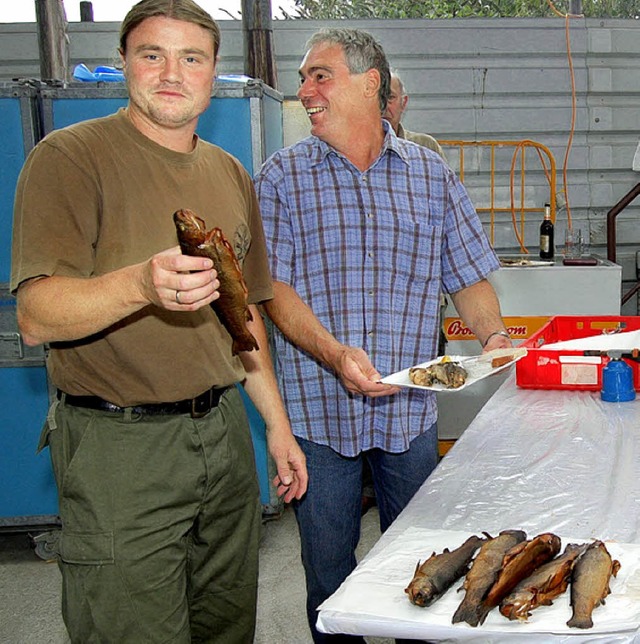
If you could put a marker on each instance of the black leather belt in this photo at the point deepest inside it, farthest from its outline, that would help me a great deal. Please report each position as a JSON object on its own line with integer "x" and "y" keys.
{"x": 196, "y": 407}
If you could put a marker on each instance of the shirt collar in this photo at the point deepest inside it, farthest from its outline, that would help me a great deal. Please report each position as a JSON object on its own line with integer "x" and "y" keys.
{"x": 392, "y": 142}
{"x": 321, "y": 150}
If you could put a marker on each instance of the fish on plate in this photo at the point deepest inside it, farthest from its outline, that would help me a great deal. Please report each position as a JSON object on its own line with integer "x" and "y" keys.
{"x": 483, "y": 574}
{"x": 590, "y": 581}
{"x": 541, "y": 587}
{"x": 446, "y": 372}
{"x": 437, "y": 574}
{"x": 518, "y": 563}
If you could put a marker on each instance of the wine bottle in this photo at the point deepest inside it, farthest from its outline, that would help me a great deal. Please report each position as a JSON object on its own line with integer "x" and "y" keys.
{"x": 546, "y": 235}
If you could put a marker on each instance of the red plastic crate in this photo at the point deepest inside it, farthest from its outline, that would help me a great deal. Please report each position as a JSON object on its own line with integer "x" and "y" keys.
{"x": 566, "y": 369}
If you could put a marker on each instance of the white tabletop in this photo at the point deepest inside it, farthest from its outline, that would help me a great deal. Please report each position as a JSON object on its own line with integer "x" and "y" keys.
{"x": 536, "y": 460}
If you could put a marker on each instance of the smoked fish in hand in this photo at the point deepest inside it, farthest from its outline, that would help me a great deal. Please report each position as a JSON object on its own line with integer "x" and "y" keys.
{"x": 231, "y": 307}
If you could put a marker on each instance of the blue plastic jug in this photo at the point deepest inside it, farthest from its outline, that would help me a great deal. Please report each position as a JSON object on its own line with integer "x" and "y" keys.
{"x": 617, "y": 382}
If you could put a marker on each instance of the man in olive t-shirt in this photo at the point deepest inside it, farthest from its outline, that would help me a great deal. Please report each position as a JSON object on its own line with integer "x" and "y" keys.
{"x": 150, "y": 445}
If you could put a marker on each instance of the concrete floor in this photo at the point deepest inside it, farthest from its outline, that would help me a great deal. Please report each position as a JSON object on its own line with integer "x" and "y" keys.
{"x": 30, "y": 587}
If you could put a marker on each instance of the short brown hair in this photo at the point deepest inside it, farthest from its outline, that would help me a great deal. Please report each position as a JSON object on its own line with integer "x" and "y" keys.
{"x": 186, "y": 10}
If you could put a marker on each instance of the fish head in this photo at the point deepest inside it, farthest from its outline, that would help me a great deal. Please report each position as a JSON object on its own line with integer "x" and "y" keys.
{"x": 451, "y": 374}
{"x": 552, "y": 540}
{"x": 421, "y": 594}
{"x": 190, "y": 228}
{"x": 518, "y": 605}
{"x": 457, "y": 375}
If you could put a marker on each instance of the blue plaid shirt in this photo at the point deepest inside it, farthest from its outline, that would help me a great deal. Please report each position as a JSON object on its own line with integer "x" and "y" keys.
{"x": 370, "y": 253}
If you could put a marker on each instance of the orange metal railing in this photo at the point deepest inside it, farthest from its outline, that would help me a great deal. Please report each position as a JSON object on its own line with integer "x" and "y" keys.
{"x": 518, "y": 207}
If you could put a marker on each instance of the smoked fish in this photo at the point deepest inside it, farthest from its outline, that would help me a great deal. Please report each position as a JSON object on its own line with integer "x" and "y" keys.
{"x": 446, "y": 372}
{"x": 483, "y": 574}
{"x": 437, "y": 574}
{"x": 231, "y": 307}
{"x": 590, "y": 583}
{"x": 541, "y": 587}
{"x": 519, "y": 562}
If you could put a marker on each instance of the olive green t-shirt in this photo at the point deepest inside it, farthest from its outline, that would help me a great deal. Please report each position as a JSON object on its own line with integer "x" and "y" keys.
{"x": 99, "y": 195}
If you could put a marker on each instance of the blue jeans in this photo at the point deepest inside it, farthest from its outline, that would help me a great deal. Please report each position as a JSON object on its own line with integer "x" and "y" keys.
{"x": 329, "y": 514}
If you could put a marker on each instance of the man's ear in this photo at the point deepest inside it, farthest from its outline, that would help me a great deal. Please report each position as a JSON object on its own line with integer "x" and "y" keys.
{"x": 215, "y": 73}
{"x": 122, "y": 61}
{"x": 372, "y": 83}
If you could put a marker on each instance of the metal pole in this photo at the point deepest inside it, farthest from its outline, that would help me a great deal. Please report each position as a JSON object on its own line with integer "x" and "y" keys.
{"x": 611, "y": 220}
{"x": 53, "y": 41}
{"x": 259, "y": 50}
{"x": 576, "y": 7}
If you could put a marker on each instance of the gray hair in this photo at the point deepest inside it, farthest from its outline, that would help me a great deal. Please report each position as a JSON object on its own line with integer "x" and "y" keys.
{"x": 396, "y": 74}
{"x": 362, "y": 52}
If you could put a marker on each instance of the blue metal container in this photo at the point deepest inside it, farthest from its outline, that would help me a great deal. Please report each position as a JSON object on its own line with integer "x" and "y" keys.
{"x": 28, "y": 494}
{"x": 20, "y": 132}
{"x": 244, "y": 118}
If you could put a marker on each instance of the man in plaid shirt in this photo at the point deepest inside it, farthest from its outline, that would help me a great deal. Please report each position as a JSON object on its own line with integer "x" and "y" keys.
{"x": 364, "y": 231}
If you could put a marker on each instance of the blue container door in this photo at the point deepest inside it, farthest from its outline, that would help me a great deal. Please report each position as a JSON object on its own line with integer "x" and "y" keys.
{"x": 11, "y": 160}
{"x": 28, "y": 493}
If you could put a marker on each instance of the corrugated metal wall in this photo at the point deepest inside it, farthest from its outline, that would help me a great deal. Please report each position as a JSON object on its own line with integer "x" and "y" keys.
{"x": 474, "y": 79}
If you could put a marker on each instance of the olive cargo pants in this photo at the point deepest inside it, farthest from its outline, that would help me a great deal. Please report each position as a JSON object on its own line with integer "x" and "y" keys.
{"x": 160, "y": 524}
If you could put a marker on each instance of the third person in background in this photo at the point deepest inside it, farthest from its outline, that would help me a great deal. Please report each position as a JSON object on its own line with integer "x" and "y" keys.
{"x": 396, "y": 106}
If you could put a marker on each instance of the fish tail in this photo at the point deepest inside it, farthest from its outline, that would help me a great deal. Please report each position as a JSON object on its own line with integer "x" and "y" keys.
{"x": 482, "y": 612}
{"x": 580, "y": 622}
{"x": 244, "y": 344}
{"x": 466, "y": 613}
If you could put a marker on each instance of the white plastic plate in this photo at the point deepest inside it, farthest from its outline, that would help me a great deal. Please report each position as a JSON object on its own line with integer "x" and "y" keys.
{"x": 477, "y": 367}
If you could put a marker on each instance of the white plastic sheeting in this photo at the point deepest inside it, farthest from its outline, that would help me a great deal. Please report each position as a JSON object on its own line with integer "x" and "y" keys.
{"x": 625, "y": 341}
{"x": 536, "y": 460}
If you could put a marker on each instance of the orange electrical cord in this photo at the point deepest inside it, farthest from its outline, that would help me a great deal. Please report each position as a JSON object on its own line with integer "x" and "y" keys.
{"x": 521, "y": 149}
{"x": 565, "y": 163}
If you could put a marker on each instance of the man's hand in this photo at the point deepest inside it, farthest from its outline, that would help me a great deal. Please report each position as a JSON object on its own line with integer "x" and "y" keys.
{"x": 179, "y": 282}
{"x": 497, "y": 341}
{"x": 358, "y": 375}
{"x": 292, "y": 478}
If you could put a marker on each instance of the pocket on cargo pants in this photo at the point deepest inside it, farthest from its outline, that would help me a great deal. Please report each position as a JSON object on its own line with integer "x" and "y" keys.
{"x": 49, "y": 425}
{"x": 85, "y": 544}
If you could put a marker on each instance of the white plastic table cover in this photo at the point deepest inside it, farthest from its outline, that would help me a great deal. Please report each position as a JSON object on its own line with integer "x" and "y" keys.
{"x": 536, "y": 460}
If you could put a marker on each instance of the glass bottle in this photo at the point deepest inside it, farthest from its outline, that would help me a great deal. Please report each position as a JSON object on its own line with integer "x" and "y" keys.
{"x": 546, "y": 234}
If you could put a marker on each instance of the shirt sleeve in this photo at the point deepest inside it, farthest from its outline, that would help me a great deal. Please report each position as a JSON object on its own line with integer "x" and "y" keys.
{"x": 271, "y": 190}
{"x": 467, "y": 255}
{"x": 255, "y": 265}
{"x": 55, "y": 200}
